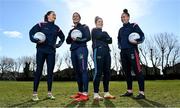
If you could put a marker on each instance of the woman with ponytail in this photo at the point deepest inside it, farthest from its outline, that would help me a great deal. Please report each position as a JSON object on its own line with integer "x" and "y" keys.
{"x": 102, "y": 59}
{"x": 46, "y": 50}
{"x": 130, "y": 55}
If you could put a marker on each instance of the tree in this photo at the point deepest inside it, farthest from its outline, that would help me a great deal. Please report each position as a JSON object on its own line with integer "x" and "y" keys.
{"x": 162, "y": 45}
{"x": 27, "y": 70}
{"x": 153, "y": 55}
{"x": 171, "y": 43}
{"x": 19, "y": 63}
{"x": 90, "y": 61}
{"x": 6, "y": 65}
{"x": 28, "y": 65}
{"x": 59, "y": 62}
{"x": 33, "y": 63}
{"x": 116, "y": 60}
{"x": 175, "y": 56}
{"x": 144, "y": 52}
{"x": 90, "y": 67}
{"x": 114, "y": 56}
{"x": 67, "y": 59}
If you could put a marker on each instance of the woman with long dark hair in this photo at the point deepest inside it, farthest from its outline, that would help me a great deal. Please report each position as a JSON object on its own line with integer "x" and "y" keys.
{"x": 79, "y": 56}
{"x": 46, "y": 50}
{"x": 129, "y": 54}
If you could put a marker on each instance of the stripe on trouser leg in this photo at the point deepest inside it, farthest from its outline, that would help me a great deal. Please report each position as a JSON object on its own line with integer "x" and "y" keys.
{"x": 137, "y": 61}
{"x": 83, "y": 63}
{"x": 83, "y": 67}
{"x": 95, "y": 64}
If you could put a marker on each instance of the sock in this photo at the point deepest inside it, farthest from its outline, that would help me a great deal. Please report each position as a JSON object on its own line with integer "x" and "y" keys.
{"x": 96, "y": 95}
{"x": 129, "y": 91}
{"x": 80, "y": 92}
{"x": 49, "y": 93}
{"x": 106, "y": 93}
{"x": 85, "y": 93}
{"x": 141, "y": 92}
{"x": 35, "y": 94}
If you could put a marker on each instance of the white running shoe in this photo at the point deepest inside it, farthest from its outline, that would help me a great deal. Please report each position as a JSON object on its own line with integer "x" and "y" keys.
{"x": 50, "y": 96}
{"x": 35, "y": 97}
{"x": 97, "y": 97}
{"x": 107, "y": 95}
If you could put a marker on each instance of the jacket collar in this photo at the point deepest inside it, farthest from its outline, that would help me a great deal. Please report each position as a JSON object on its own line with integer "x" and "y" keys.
{"x": 50, "y": 22}
{"x": 79, "y": 24}
{"x": 126, "y": 25}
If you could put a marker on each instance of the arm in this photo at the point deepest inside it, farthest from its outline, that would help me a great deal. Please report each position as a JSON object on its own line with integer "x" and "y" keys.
{"x": 69, "y": 39}
{"x": 34, "y": 30}
{"x": 139, "y": 31}
{"x": 97, "y": 34}
{"x": 106, "y": 38}
{"x": 119, "y": 40}
{"x": 62, "y": 37}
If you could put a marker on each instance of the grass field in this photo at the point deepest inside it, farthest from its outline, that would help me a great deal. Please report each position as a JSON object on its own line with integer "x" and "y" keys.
{"x": 158, "y": 93}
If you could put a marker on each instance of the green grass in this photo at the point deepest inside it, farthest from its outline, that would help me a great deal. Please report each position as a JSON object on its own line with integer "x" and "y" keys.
{"x": 164, "y": 93}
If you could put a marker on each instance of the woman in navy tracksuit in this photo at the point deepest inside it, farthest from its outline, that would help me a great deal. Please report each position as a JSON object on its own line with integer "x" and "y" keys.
{"x": 46, "y": 50}
{"x": 79, "y": 57}
{"x": 130, "y": 55}
{"x": 102, "y": 59}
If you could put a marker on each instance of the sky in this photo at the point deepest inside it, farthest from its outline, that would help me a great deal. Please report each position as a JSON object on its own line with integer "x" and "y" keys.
{"x": 18, "y": 16}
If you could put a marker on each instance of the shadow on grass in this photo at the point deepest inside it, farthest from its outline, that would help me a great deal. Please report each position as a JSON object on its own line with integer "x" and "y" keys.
{"x": 71, "y": 104}
{"x": 95, "y": 103}
{"x": 148, "y": 103}
{"x": 28, "y": 103}
{"x": 76, "y": 104}
{"x": 82, "y": 104}
{"x": 108, "y": 103}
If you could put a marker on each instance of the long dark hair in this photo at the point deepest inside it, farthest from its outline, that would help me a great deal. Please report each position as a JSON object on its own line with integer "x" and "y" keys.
{"x": 46, "y": 15}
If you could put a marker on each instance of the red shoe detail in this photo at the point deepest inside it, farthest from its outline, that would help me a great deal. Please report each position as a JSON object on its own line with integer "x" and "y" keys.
{"x": 77, "y": 95}
{"x": 82, "y": 98}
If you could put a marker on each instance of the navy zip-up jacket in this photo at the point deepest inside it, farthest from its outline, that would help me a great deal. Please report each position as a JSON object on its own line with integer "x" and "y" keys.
{"x": 51, "y": 31}
{"x": 100, "y": 38}
{"x": 125, "y": 31}
{"x": 80, "y": 42}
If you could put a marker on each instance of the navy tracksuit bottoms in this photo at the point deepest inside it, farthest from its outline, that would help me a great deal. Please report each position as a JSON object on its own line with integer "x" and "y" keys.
{"x": 102, "y": 63}
{"x": 79, "y": 59}
{"x": 41, "y": 57}
{"x": 130, "y": 62}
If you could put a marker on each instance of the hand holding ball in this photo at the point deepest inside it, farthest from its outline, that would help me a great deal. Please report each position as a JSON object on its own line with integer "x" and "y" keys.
{"x": 76, "y": 34}
{"x": 40, "y": 36}
{"x": 133, "y": 37}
